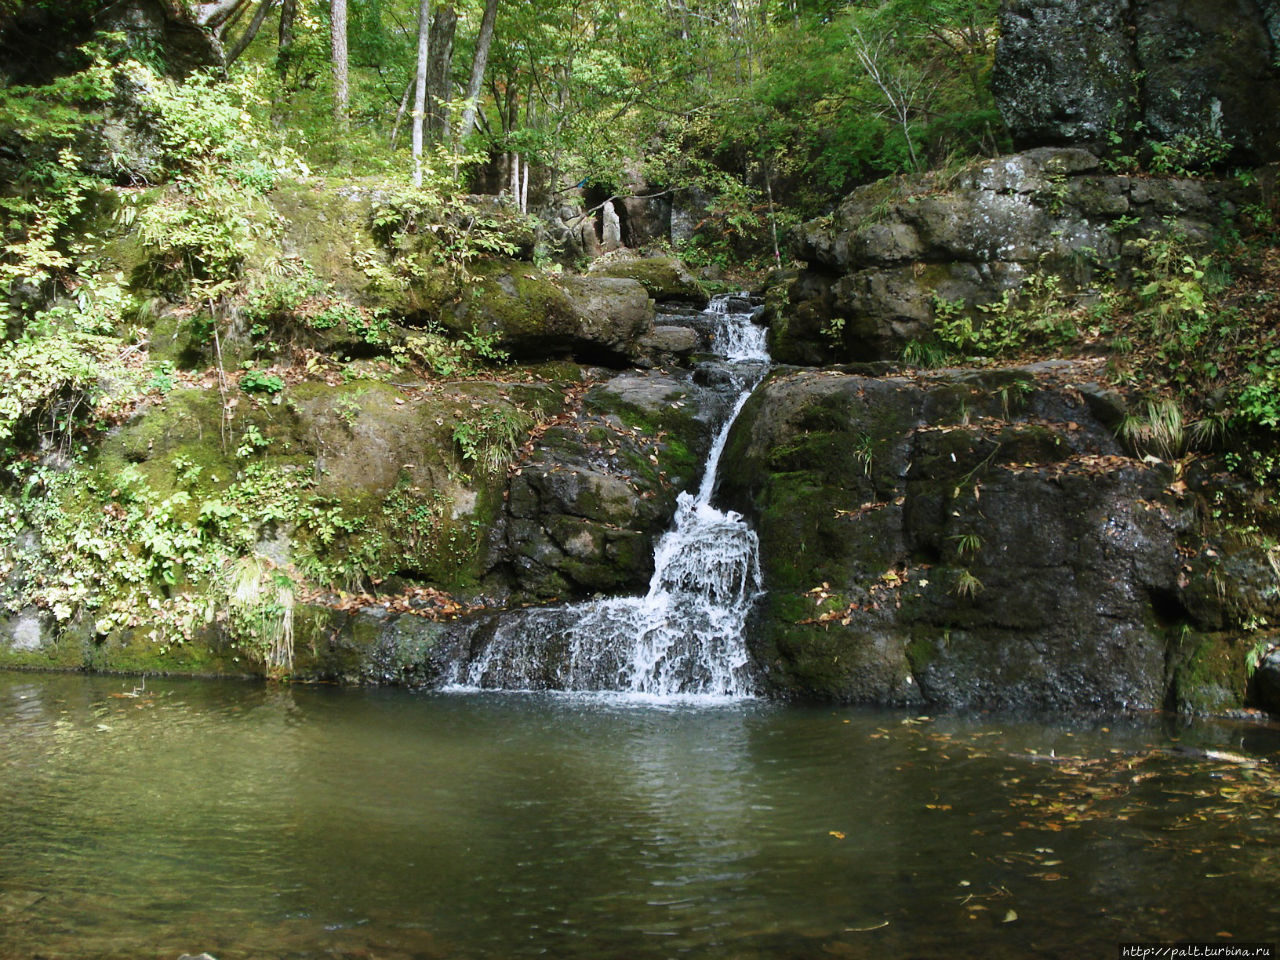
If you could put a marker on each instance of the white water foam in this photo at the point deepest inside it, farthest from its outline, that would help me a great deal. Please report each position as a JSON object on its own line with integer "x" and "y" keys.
{"x": 682, "y": 638}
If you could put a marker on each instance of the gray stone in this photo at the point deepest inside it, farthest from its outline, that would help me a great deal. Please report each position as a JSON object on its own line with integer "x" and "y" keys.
{"x": 1189, "y": 72}
{"x": 879, "y": 266}
{"x": 27, "y": 631}
{"x": 611, "y": 231}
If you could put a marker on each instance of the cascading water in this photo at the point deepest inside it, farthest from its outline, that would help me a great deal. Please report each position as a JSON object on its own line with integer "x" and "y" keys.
{"x": 685, "y": 636}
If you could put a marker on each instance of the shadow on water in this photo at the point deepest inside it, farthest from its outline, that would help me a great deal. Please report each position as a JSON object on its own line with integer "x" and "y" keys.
{"x": 261, "y": 821}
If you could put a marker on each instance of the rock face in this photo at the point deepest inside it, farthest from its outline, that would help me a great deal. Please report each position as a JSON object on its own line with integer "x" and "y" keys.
{"x": 596, "y": 319}
{"x": 530, "y": 313}
{"x": 881, "y": 266}
{"x": 972, "y": 539}
{"x": 1088, "y": 71}
{"x": 587, "y": 505}
{"x": 38, "y": 41}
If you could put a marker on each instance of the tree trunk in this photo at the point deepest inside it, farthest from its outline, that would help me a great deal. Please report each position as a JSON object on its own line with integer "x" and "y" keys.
{"x": 251, "y": 31}
{"x": 443, "y": 27}
{"x": 404, "y": 105}
{"x": 478, "y": 66}
{"x": 213, "y": 15}
{"x": 420, "y": 87}
{"x": 224, "y": 31}
{"x": 338, "y": 36}
{"x": 284, "y": 52}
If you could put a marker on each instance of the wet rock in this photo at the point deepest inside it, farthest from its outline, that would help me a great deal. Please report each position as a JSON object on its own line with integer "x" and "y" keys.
{"x": 966, "y": 538}
{"x": 586, "y": 506}
{"x": 669, "y": 344}
{"x": 1267, "y": 681}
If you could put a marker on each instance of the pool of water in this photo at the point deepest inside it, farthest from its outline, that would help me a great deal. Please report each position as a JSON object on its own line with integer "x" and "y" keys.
{"x": 271, "y": 821}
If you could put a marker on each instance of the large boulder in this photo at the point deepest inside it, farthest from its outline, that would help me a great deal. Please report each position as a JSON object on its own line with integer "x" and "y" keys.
{"x": 665, "y": 278}
{"x": 40, "y": 41}
{"x": 1192, "y": 72}
{"x": 971, "y": 539}
{"x": 534, "y": 315}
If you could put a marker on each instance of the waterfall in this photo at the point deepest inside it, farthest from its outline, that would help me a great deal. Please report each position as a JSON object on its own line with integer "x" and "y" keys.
{"x": 685, "y": 636}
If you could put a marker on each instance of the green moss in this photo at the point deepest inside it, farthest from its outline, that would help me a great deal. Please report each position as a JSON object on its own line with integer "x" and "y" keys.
{"x": 1212, "y": 677}
{"x": 663, "y": 278}
{"x": 513, "y": 299}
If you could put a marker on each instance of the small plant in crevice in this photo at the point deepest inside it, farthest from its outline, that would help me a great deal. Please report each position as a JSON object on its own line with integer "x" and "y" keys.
{"x": 967, "y": 545}
{"x": 490, "y": 439}
{"x": 1157, "y": 431}
{"x": 257, "y": 601}
{"x": 864, "y": 453}
{"x": 925, "y": 353}
{"x": 967, "y": 586}
{"x": 1013, "y": 396}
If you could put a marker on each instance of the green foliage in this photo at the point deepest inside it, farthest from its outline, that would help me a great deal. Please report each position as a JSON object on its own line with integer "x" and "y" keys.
{"x": 1187, "y": 155}
{"x": 864, "y": 452}
{"x": 436, "y": 219}
{"x": 1037, "y": 311}
{"x": 251, "y": 441}
{"x": 442, "y": 357}
{"x": 199, "y": 238}
{"x": 968, "y": 545}
{"x": 1158, "y": 430}
{"x": 489, "y": 440}
{"x": 257, "y": 610}
{"x": 1259, "y": 402}
{"x": 48, "y": 387}
{"x": 967, "y": 586}
{"x": 259, "y": 381}
{"x": 925, "y": 353}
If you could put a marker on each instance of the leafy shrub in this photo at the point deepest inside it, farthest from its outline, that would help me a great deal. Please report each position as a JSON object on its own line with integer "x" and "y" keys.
{"x": 259, "y": 381}
{"x": 48, "y": 385}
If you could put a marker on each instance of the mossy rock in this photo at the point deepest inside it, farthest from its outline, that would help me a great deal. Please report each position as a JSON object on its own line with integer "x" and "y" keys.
{"x": 535, "y": 316}
{"x": 1209, "y": 673}
{"x": 664, "y": 278}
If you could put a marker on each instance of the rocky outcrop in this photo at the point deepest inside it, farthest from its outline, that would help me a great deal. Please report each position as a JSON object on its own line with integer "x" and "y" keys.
{"x": 1195, "y": 73}
{"x": 895, "y": 252}
{"x": 588, "y": 503}
{"x": 40, "y": 41}
{"x": 974, "y": 539}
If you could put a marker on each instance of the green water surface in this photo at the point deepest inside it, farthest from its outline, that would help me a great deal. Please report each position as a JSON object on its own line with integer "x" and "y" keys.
{"x": 262, "y": 822}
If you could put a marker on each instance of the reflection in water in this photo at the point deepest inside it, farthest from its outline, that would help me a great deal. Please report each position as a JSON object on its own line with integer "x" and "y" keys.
{"x": 257, "y": 821}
